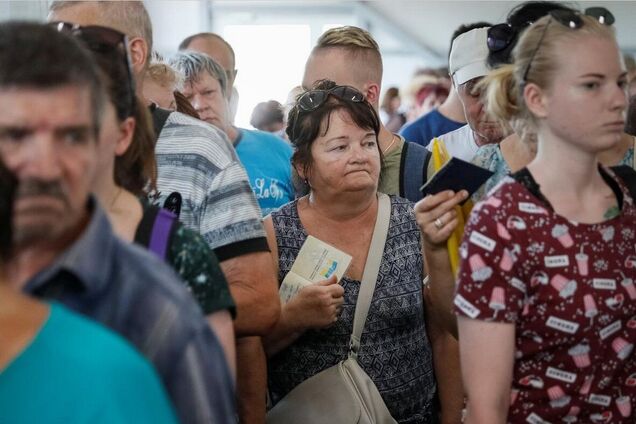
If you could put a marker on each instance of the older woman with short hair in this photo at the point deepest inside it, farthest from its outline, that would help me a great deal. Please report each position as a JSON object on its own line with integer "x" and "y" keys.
{"x": 334, "y": 130}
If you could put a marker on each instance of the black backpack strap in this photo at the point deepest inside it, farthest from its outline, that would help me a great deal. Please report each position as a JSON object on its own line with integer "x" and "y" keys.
{"x": 159, "y": 118}
{"x": 628, "y": 175}
{"x": 155, "y": 230}
{"x": 413, "y": 167}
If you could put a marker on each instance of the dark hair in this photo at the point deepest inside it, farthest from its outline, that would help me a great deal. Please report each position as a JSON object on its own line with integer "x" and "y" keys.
{"x": 390, "y": 94}
{"x": 37, "y": 56}
{"x": 462, "y": 29}
{"x": 303, "y": 128}
{"x": 136, "y": 169}
{"x": 630, "y": 125}
{"x": 8, "y": 184}
{"x": 519, "y": 18}
{"x": 266, "y": 114}
{"x": 184, "y": 106}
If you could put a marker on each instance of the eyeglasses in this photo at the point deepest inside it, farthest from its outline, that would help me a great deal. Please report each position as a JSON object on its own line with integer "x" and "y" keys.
{"x": 313, "y": 99}
{"x": 105, "y": 42}
{"x": 572, "y": 20}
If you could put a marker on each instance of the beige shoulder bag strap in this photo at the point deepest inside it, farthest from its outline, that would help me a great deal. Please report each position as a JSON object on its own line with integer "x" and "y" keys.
{"x": 370, "y": 274}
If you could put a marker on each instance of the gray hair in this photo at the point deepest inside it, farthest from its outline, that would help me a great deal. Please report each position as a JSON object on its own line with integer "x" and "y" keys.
{"x": 191, "y": 64}
{"x": 129, "y": 17}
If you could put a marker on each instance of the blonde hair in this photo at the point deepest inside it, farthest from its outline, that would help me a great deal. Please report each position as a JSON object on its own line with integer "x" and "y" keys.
{"x": 359, "y": 46}
{"x": 541, "y": 45}
{"x": 165, "y": 75}
{"x": 129, "y": 17}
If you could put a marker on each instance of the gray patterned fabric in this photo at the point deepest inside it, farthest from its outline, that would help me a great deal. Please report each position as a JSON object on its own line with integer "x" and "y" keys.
{"x": 395, "y": 351}
{"x": 197, "y": 160}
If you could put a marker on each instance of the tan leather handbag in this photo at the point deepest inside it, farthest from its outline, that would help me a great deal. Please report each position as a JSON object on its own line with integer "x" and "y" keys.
{"x": 344, "y": 393}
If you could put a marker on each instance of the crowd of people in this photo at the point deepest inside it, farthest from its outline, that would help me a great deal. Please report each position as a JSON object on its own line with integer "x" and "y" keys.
{"x": 144, "y": 236}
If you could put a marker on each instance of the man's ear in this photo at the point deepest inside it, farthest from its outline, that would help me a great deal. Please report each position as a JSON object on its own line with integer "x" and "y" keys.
{"x": 372, "y": 93}
{"x": 126, "y": 134}
{"x": 536, "y": 100}
{"x": 138, "y": 56}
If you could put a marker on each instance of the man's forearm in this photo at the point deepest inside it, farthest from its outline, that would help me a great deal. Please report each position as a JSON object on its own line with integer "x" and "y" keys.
{"x": 254, "y": 288}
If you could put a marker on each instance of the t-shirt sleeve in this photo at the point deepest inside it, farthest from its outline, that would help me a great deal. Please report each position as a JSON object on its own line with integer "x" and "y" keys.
{"x": 230, "y": 212}
{"x": 488, "y": 287}
{"x": 410, "y": 133}
{"x": 198, "y": 266}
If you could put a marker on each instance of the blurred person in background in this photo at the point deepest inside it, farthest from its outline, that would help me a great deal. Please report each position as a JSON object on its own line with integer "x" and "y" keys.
{"x": 390, "y": 113}
{"x": 449, "y": 116}
{"x": 269, "y": 117}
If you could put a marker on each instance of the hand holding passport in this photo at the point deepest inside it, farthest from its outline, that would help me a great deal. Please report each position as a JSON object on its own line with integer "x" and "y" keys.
{"x": 456, "y": 175}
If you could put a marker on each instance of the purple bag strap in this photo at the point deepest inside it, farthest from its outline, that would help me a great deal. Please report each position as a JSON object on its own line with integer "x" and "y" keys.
{"x": 161, "y": 233}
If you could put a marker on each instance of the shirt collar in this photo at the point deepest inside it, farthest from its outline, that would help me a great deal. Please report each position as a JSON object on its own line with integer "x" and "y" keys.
{"x": 88, "y": 259}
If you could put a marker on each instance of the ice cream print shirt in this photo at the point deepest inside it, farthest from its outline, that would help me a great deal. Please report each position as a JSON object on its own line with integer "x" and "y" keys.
{"x": 569, "y": 289}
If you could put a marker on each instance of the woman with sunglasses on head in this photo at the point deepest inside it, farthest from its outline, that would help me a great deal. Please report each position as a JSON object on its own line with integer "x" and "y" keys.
{"x": 519, "y": 148}
{"x": 334, "y": 131}
{"x": 127, "y": 173}
{"x": 546, "y": 296}
{"x": 59, "y": 367}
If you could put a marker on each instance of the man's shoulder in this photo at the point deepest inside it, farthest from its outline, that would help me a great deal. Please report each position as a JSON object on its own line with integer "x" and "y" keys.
{"x": 145, "y": 275}
{"x": 460, "y": 133}
{"x": 183, "y": 134}
{"x": 273, "y": 141}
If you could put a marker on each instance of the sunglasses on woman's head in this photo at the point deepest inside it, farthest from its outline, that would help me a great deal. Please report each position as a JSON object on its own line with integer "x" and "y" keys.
{"x": 500, "y": 36}
{"x": 103, "y": 41}
{"x": 572, "y": 20}
{"x": 313, "y": 99}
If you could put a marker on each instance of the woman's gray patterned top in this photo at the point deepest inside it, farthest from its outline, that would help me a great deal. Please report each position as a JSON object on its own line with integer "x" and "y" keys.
{"x": 395, "y": 351}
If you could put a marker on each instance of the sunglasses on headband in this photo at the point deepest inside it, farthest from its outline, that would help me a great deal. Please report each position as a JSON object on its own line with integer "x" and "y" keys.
{"x": 572, "y": 20}
{"x": 501, "y": 36}
{"x": 105, "y": 42}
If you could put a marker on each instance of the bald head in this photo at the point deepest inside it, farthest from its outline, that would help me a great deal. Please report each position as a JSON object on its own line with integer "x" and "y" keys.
{"x": 217, "y": 48}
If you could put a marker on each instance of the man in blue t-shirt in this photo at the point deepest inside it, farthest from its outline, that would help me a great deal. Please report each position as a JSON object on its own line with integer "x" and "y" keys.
{"x": 266, "y": 157}
{"x": 448, "y": 117}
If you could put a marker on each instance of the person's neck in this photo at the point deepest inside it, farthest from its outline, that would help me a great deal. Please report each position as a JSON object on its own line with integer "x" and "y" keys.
{"x": 122, "y": 208}
{"x": 482, "y": 141}
{"x": 516, "y": 152}
{"x": 29, "y": 260}
{"x": 557, "y": 162}
{"x": 233, "y": 134}
{"x": 614, "y": 155}
{"x": 452, "y": 107}
{"x": 387, "y": 140}
{"x": 342, "y": 207}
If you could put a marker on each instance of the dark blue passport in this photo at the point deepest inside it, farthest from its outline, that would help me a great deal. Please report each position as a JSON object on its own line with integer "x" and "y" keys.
{"x": 456, "y": 175}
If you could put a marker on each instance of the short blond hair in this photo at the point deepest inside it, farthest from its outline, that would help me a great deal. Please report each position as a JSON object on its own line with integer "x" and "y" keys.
{"x": 360, "y": 47}
{"x": 129, "y": 17}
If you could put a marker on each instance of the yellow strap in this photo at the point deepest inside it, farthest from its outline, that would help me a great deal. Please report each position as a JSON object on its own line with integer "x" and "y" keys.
{"x": 440, "y": 157}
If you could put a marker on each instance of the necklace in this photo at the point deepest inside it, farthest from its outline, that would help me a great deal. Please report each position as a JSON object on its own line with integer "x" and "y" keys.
{"x": 390, "y": 144}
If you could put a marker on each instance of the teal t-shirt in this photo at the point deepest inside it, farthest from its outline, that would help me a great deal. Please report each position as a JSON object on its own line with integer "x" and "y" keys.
{"x": 267, "y": 160}
{"x": 76, "y": 371}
